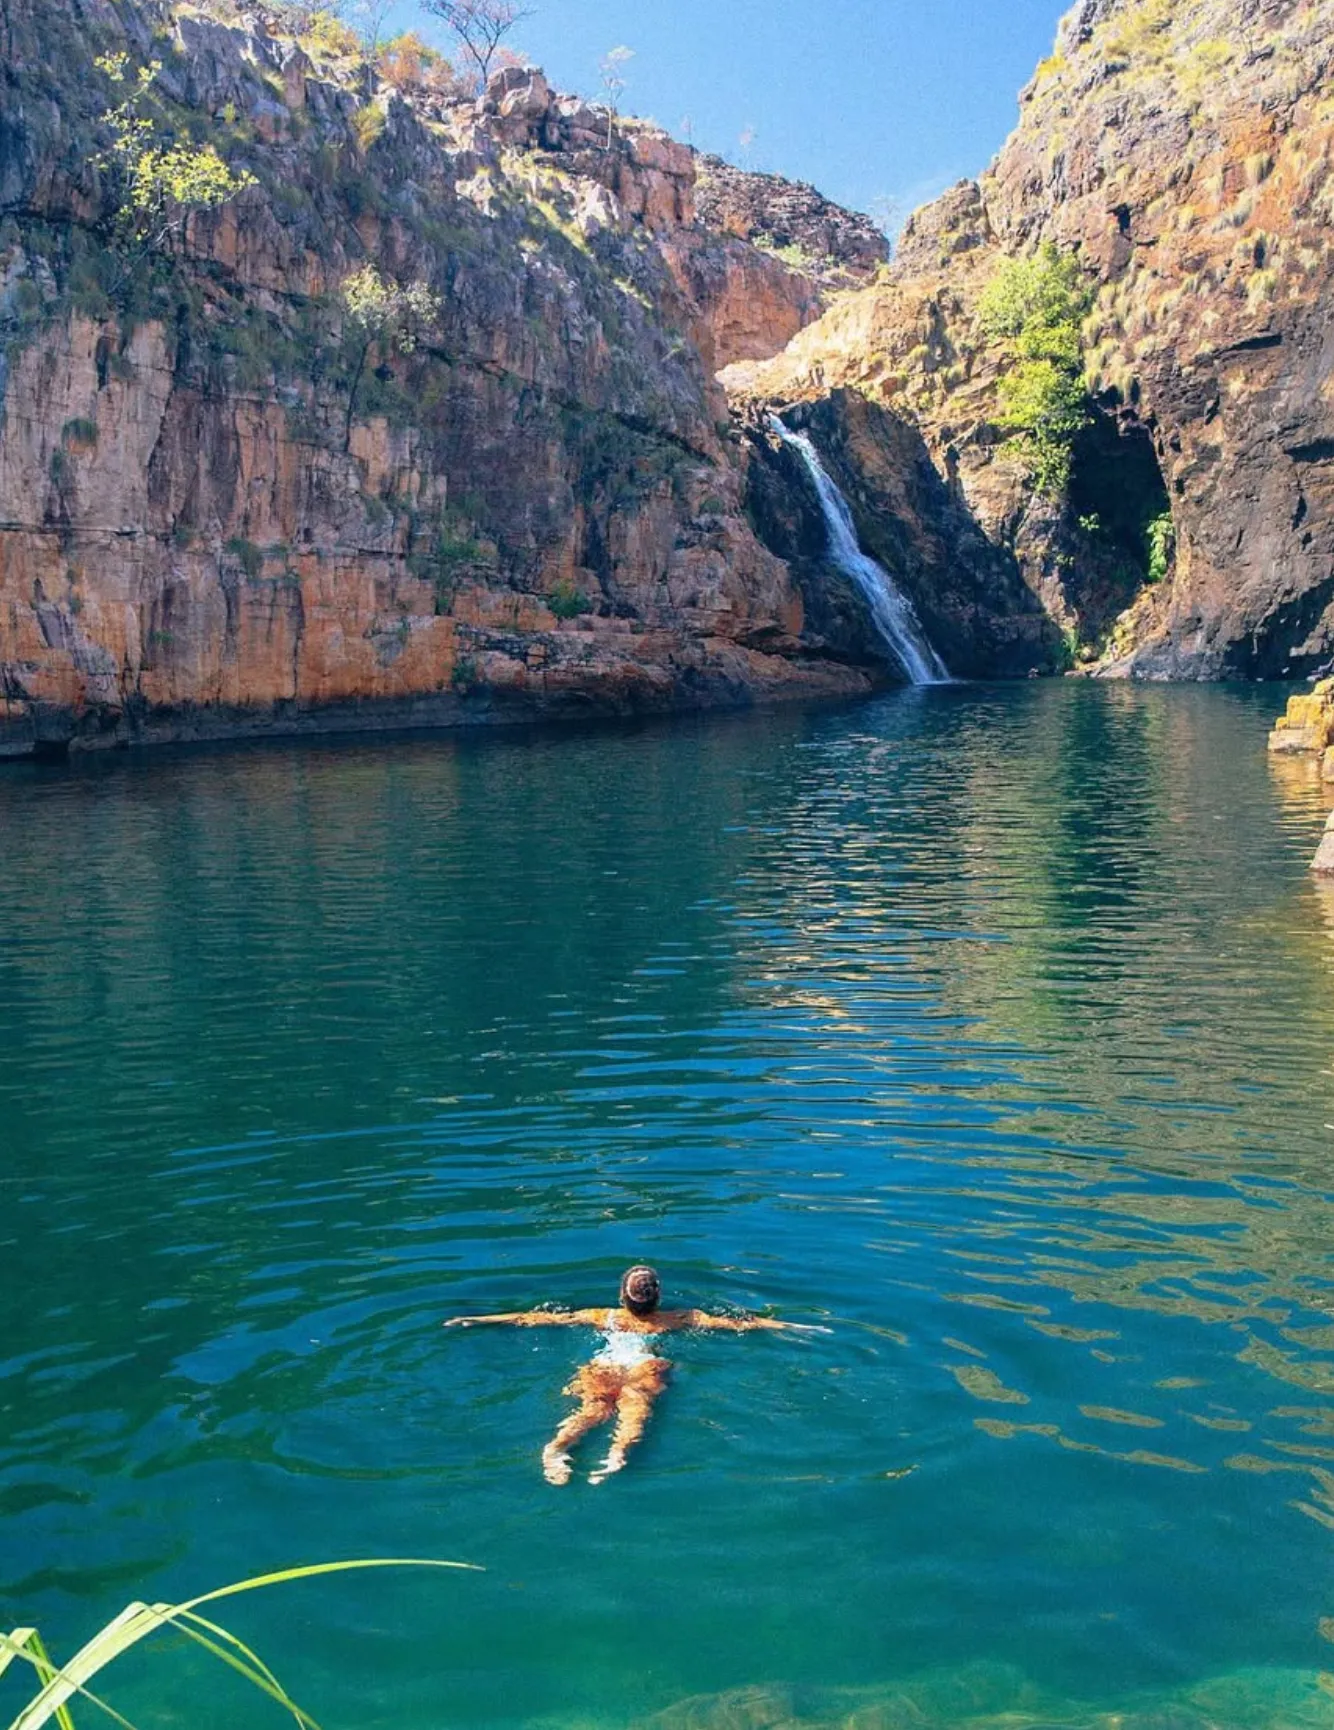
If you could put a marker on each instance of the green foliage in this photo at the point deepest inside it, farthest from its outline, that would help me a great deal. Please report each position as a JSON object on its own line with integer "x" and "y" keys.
{"x": 1038, "y": 304}
{"x": 161, "y": 182}
{"x": 568, "y": 602}
{"x": 1160, "y": 539}
{"x": 79, "y": 431}
{"x": 59, "y": 1684}
{"x": 465, "y": 677}
{"x": 376, "y": 310}
{"x": 447, "y": 551}
{"x": 326, "y": 35}
{"x": 1044, "y": 405}
{"x": 388, "y": 312}
{"x": 27, "y": 299}
{"x": 790, "y": 252}
{"x": 1036, "y": 307}
{"x": 1138, "y": 31}
{"x": 248, "y": 555}
{"x": 369, "y": 123}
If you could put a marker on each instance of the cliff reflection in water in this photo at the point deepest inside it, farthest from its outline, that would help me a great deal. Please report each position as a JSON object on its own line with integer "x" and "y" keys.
{"x": 1131, "y": 1037}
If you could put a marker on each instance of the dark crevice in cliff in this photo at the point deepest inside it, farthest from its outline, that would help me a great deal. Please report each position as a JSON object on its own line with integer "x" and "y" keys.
{"x": 1117, "y": 476}
{"x": 1117, "y": 492}
{"x": 1315, "y": 451}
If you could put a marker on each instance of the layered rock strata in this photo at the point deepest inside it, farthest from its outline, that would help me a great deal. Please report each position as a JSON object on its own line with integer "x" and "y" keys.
{"x": 223, "y": 508}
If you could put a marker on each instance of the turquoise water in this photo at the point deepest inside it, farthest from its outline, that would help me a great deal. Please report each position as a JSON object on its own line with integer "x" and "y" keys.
{"x": 993, "y": 1028}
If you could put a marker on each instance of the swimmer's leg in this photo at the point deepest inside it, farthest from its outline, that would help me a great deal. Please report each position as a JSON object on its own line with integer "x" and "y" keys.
{"x": 641, "y": 1389}
{"x": 597, "y": 1405}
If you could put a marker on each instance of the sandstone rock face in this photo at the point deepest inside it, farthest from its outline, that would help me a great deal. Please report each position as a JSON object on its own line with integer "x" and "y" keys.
{"x": 1185, "y": 151}
{"x": 792, "y": 217}
{"x": 221, "y": 509}
{"x": 1181, "y": 149}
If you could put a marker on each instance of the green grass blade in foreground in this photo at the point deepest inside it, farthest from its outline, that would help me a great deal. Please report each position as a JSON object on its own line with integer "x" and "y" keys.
{"x": 14, "y": 1645}
{"x": 257, "y": 1674}
{"x": 20, "y": 1644}
{"x": 46, "y": 1670}
{"x": 316, "y": 1568}
{"x": 137, "y": 1621}
{"x": 230, "y": 1639}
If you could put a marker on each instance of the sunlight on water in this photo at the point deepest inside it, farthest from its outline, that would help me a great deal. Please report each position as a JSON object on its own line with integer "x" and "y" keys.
{"x": 993, "y": 1028}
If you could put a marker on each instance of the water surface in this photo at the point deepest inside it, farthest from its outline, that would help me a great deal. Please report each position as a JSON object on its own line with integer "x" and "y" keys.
{"x": 992, "y": 1028}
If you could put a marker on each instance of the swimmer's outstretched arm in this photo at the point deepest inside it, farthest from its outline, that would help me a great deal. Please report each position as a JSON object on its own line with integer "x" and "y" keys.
{"x": 741, "y": 1324}
{"x": 534, "y": 1319}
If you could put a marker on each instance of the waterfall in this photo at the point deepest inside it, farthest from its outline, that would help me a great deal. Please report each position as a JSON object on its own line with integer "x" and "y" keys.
{"x": 894, "y": 615}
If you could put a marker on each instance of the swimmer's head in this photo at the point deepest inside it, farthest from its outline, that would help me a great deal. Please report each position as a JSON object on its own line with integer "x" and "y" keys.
{"x": 641, "y": 1291}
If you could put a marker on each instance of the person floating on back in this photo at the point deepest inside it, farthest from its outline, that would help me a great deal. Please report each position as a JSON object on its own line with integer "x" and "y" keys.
{"x": 625, "y": 1377}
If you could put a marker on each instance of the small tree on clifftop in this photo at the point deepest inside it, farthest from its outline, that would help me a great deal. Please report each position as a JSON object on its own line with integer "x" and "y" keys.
{"x": 611, "y": 69}
{"x": 481, "y": 26}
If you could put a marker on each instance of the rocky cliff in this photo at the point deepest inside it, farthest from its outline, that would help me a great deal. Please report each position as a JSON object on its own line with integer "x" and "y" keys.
{"x": 222, "y": 509}
{"x": 1180, "y": 150}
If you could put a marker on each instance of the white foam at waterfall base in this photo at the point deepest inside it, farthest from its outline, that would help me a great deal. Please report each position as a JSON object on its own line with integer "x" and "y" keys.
{"x": 893, "y": 613}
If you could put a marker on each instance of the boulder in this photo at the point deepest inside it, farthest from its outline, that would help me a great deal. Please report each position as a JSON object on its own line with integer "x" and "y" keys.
{"x": 1308, "y": 724}
{"x": 530, "y": 100}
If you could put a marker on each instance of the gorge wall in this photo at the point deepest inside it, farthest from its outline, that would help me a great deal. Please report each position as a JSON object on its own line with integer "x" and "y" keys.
{"x": 222, "y": 510}
{"x": 1180, "y": 150}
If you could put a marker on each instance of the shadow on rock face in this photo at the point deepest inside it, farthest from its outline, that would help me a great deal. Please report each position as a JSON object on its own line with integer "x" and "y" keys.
{"x": 968, "y": 592}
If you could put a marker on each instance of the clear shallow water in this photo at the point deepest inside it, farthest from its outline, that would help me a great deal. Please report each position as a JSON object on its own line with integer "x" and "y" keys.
{"x": 992, "y": 1027}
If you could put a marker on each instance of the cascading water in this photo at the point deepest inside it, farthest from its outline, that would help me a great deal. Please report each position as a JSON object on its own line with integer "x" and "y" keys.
{"x": 891, "y": 610}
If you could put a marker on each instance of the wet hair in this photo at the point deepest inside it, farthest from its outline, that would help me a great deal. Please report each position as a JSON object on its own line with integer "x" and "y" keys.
{"x": 641, "y": 1290}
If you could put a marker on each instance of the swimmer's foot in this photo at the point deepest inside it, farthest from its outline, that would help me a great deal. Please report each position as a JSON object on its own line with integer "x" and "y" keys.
{"x": 556, "y": 1466}
{"x": 612, "y": 1463}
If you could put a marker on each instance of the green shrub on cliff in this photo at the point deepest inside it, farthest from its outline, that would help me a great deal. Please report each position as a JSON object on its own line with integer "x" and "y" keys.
{"x": 377, "y": 311}
{"x": 1035, "y": 308}
{"x": 1161, "y": 545}
{"x": 568, "y": 602}
{"x": 160, "y": 182}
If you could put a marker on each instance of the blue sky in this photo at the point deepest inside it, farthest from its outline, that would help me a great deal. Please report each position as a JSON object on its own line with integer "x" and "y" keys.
{"x": 869, "y": 99}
